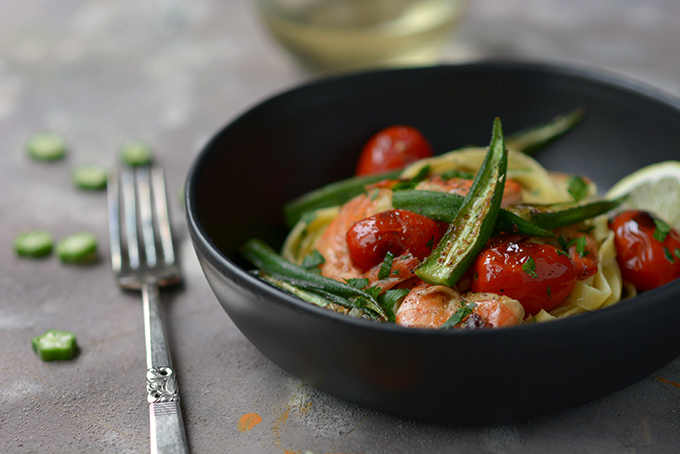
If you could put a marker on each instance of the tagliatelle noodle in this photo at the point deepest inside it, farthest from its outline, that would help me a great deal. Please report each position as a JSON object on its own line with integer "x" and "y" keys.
{"x": 302, "y": 238}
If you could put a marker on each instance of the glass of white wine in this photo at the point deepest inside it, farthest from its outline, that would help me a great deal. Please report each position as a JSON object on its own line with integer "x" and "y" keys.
{"x": 337, "y": 35}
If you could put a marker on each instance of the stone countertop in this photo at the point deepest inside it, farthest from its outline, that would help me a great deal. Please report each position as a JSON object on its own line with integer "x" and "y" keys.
{"x": 172, "y": 72}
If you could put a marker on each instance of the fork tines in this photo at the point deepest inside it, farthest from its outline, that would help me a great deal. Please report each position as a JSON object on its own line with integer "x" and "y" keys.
{"x": 139, "y": 228}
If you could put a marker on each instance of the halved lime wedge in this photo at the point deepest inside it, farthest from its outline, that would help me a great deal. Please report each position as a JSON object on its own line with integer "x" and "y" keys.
{"x": 654, "y": 188}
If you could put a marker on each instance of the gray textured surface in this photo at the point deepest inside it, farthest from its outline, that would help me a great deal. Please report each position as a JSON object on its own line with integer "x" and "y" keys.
{"x": 171, "y": 72}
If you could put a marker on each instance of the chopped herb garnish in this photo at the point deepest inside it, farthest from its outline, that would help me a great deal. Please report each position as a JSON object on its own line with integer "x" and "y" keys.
{"x": 389, "y": 301}
{"x": 373, "y": 291}
{"x": 459, "y": 315}
{"x": 454, "y": 173}
{"x": 357, "y": 283}
{"x": 373, "y": 194}
{"x": 581, "y": 243}
{"x": 676, "y": 252}
{"x": 430, "y": 243}
{"x": 661, "y": 231}
{"x": 566, "y": 244}
{"x": 313, "y": 260}
{"x": 413, "y": 182}
{"x": 668, "y": 255}
{"x": 386, "y": 266}
{"x": 549, "y": 295}
{"x": 561, "y": 252}
{"x": 529, "y": 267}
{"x": 578, "y": 188}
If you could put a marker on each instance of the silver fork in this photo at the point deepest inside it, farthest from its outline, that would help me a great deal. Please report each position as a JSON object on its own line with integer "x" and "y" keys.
{"x": 143, "y": 258}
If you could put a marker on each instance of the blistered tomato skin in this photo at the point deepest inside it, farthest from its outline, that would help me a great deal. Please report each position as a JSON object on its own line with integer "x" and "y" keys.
{"x": 395, "y": 231}
{"x": 539, "y": 276}
{"x": 645, "y": 262}
{"x": 392, "y": 148}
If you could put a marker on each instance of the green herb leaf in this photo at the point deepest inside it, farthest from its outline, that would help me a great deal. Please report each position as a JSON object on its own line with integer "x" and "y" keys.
{"x": 413, "y": 182}
{"x": 676, "y": 252}
{"x": 373, "y": 291}
{"x": 529, "y": 267}
{"x": 313, "y": 260}
{"x": 357, "y": 283}
{"x": 566, "y": 244}
{"x": 454, "y": 173}
{"x": 386, "y": 266}
{"x": 578, "y": 188}
{"x": 661, "y": 231}
{"x": 668, "y": 255}
{"x": 390, "y": 299}
{"x": 561, "y": 252}
{"x": 581, "y": 243}
{"x": 459, "y": 315}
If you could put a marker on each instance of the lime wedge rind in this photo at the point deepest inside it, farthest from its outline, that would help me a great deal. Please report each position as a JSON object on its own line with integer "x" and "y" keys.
{"x": 654, "y": 188}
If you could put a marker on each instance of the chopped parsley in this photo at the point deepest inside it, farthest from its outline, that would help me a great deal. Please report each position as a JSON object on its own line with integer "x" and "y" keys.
{"x": 430, "y": 243}
{"x": 578, "y": 188}
{"x": 581, "y": 243}
{"x": 386, "y": 266}
{"x": 458, "y": 316}
{"x": 561, "y": 252}
{"x": 413, "y": 182}
{"x": 313, "y": 260}
{"x": 529, "y": 267}
{"x": 357, "y": 282}
{"x": 661, "y": 231}
{"x": 390, "y": 299}
{"x": 668, "y": 255}
{"x": 454, "y": 173}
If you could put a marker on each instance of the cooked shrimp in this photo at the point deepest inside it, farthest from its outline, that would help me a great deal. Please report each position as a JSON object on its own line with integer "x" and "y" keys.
{"x": 430, "y": 306}
{"x": 332, "y": 244}
{"x": 497, "y": 310}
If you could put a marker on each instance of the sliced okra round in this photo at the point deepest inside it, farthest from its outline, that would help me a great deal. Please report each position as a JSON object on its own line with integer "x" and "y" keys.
{"x": 136, "y": 153}
{"x": 79, "y": 247}
{"x": 90, "y": 176}
{"x": 46, "y": 146}
{"x": 55, "y": 345}
{"x": 34, "y": 243}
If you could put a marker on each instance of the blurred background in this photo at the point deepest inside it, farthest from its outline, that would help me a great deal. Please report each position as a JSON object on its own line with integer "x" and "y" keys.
{"x": 172, "y": 73}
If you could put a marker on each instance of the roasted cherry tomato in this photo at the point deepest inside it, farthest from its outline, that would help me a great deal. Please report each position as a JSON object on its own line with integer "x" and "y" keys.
{"x": 395, "y": 231}
{"x": 645, "y": 261}
{"x": 539, "y": 276}
{"x": 392, "y": 148}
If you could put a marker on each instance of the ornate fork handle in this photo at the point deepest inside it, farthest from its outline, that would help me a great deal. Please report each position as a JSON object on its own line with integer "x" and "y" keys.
{"x": 167, "y": 425}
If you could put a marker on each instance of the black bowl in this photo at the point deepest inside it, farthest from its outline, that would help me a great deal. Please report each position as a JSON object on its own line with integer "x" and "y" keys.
{"x": 312, "y": 135}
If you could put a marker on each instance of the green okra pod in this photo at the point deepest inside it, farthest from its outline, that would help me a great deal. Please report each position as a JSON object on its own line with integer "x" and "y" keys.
{"x": 531, "y": 140}
{"x": 475, "y": 220}
{"x": 270, "y": 263}
{"x": 442, "y": 206}
{"x": 332, "y": 194}
{"x": 560, "y": 215}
